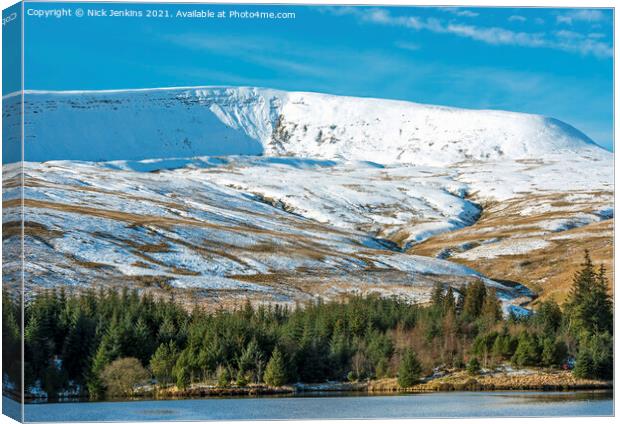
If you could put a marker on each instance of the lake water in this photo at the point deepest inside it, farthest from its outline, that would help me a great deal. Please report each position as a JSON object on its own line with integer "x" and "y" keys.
{"x": 445, "y": 404}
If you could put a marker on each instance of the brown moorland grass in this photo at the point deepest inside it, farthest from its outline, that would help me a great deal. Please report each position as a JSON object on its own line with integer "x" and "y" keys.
{"x": 548, "y": 270}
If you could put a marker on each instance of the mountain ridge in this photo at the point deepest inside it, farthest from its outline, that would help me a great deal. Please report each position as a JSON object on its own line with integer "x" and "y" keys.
{"x": 220, "y": 120}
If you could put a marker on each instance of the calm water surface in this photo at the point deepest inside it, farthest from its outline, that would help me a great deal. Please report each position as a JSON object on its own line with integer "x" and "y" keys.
{"x": 450, "y": 404}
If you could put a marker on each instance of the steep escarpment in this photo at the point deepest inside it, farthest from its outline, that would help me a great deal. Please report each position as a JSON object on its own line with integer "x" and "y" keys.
{"x": 208, "y": 121}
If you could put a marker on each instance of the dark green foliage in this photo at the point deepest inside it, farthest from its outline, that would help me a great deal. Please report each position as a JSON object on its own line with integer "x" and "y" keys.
{"x": 473, "y": 366}
{"x": 449, "y": 304}
{"x": 590, "y": 316}
{"x": 437, "y": 296}
{"x": 528, "y": 352}
{"x": 275, "y": 373}
{"x": 584, "y": 365}
{"x": 504, "y": 346}
{"x": 491, "y": 307}
{"x": 11, "y": 340}
{"x": 554, "y": 352}
{"x": 250, "y": 362}
{"x": 44, "y": 334}
{"x": 548, "y": 317}
{"x": 590, "y": 308}
{"x": 483, "y": 346}
{"x": 71, "y": 339}
{"x": 595, "y": 358}
{"x": 475, "y": 295}
{"x": 223, "y": 376}
{"x": 409, "y": 370}
{"x": 162, "y": 362}
{"x": 339, "y": 349}
{"x": 78, "y": 345}
{"x": 181, "y": 370}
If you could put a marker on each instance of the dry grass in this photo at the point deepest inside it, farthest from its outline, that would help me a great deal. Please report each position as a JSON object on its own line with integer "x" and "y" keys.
{"x": 549, "y": 270}
{"x": 88, "y": 264}
{"x": 539, "y": 379}
{"x": 30, "y": 228}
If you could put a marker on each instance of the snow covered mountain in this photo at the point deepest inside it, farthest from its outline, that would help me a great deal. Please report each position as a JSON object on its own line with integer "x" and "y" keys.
{"x": 227, "y": 194}
{"x": 208, "y": 121}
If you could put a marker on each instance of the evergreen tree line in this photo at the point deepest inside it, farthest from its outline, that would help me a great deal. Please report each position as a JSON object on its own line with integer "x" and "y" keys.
{"x": 92, "y": 339}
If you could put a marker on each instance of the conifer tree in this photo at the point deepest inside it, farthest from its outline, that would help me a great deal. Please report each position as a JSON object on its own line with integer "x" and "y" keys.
{"x": 249, "y": 359}
{"x": 409, "y": 370}
{"x": 11, "y": 340}
{"x": 578, "y": 296}
{"x": 141, "y": 340}
{"x": 553, "y": 352}
{"x": 601, "y": 305}
{"x": 527, "y": 352}
{"x": 473, "y": 366}
{"x": 167, "y": 330}
{"x": 181, "y": 370}
{"x": 548, "y": 317}
{"x": 449, "y": 304}
{"x": 437, "y": 296}
{"x": 275, "y": 373}
{"x": 595, "y": 357}
{"x": 339, "y": 349}
{"x": 162, "y": 362}
{"x": 497, "y": 352}
{"x": 491, "y": 307}
{"x": 78, "y": 345}
{"x": 589, "y": 307}
{"x": 475, "y": 294}
{"x": 504, "y": 345}
{"x": 223, "y": 376}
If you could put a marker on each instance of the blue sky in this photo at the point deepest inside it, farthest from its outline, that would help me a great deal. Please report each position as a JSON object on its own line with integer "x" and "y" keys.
{"x": 556, "y": 62}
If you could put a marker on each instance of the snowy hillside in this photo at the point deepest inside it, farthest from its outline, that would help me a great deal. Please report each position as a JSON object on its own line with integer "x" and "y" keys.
{"x": 89, "y": 224}
{"x": 208, "y": 121}
{"x": 228, "y": 194}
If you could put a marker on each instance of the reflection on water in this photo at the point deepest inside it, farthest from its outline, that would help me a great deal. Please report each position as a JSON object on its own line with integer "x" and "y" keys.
{"x": 160, "y": 412}
{"x": 552, "y": 397}
{"x": 334, "y": 406}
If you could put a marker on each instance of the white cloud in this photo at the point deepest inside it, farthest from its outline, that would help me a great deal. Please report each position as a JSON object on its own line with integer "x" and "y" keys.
{"x": 261, "y": 51}
{"x": 460, "y": 12}
{"x": 569, "y": 35}
{"x": 491, "y": 35}
{"x": 564, "y": 19}
{"x": 581, "y": 15}
{"x": 325, "y": 68}
{"x": 405, "y": 45}
{"x": 588, "y": 15}
{"x": 517, "y": 18}
{"x": 497, "y": 36}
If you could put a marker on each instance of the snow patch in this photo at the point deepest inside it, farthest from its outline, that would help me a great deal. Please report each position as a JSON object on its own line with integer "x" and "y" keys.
{"x": 504, "y": 248}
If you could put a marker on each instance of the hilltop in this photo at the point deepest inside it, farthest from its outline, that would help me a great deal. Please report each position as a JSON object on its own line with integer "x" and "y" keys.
{"x": 210, "y": 121}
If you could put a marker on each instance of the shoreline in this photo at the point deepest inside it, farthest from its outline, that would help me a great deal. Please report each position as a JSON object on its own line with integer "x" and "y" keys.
{"x": 522, "y": 380}
{"x": 502, "y": 380}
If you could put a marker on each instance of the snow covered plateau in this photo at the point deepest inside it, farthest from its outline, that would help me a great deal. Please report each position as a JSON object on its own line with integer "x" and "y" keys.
{"x": 222, "y": 194}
